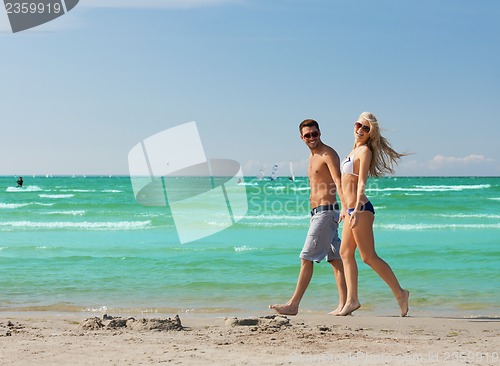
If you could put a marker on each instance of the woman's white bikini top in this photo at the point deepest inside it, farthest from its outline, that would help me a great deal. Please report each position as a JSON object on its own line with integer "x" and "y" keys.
{"x": 347, "y": 166}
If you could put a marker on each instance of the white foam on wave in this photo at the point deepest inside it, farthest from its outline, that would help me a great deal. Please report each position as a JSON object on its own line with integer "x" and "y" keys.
{"x": 300, "y": 189}
{"x": 262, "y": 218}
{"x": 56, "y": 196}
{"x": 103, "y": 308}
{"x": 111, "y": 191}
{"x": 442, "y": 188}
{"x": 84, "y": 225}
{"x": 19, "y": 205}
{"x": 24, "y": 189}
{"x": 418, "y": 227}
{"x": 471, "y": 216}
{"x": 70, "y": 212}
{"x": 77, "y": 190}
{"x": 13, "y": 205}
{"x": 244, "y": 248}
{"x": 248, "y": 184}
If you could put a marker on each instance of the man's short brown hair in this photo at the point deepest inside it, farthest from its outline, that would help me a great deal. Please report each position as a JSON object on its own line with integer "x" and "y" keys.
{"x": 308, "y": 123}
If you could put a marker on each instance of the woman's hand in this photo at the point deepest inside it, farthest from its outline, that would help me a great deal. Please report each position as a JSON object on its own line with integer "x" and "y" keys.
{"x": 353, "y": 218}
{"x": 343, "y": 213}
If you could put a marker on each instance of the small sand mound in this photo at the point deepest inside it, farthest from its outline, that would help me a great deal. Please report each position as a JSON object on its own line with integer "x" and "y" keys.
{"x": 110, "y": 322}
{"x": 91, "y": 324}
{"x": 264, "y": 323}
{"x": 155, "y": 324}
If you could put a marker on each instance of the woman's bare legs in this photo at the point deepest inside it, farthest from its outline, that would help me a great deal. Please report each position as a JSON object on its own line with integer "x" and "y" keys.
{"x": 361, "y": 237}
{"x": 347, "y": 250}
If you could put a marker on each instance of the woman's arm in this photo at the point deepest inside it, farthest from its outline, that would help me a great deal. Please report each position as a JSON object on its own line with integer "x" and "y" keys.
{"x": 364, "y": 156}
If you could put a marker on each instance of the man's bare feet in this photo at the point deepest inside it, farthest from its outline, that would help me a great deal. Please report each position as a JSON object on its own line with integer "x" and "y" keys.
{"x": 349, "y": 308}
{"x": 403, "y": 302}
{"x": 336, "y": 311}
{"x": 285, "y": 309}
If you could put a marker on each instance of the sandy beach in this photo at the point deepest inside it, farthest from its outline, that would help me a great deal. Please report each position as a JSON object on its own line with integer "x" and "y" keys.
{"x": 36, "y": 338}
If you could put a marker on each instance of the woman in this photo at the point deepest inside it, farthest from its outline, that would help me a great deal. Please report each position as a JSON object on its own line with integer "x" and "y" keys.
{"x": 372, "y": 155}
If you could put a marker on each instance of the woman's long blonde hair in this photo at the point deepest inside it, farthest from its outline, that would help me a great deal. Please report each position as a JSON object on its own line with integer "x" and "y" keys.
{"x": 384, "y": 157}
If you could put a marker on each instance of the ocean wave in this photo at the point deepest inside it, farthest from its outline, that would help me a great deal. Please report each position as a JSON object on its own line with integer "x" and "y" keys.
{"x": 418, "y": 227}
{"x": 244, "y": 248}
{"x": 13, "y": 205}
{"x": 19, "y": 205}
{"x": 56, "y": 195}
{"x": 284, "y": 218}
{"x": 70, "y": 212}
{"x": 443, "y": 188}
{"x": 58, "y": 307}
{"x": 248, "y": 184}
{"x": 84, "y": 225}
{"x": 276, "y": 224}
{"x": 470, "y": 216}
{"x": 24, "y": 189}
{"x": 77, "y": 190}
{"x": 300, "y": 189}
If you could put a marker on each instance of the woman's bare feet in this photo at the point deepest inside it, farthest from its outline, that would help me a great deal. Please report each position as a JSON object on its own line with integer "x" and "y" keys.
{"x": 336, "y": 311}
{"x": 285, "y": 309}
{"x": 349, "y": 308}
{"x": 403, "y": 302}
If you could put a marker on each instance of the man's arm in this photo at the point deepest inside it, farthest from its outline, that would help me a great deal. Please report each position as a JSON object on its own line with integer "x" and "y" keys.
{"x": 332, "y": 161}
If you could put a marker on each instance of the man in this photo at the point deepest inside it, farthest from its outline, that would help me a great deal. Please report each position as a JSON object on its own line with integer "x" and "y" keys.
{"x": 322, "y": 238}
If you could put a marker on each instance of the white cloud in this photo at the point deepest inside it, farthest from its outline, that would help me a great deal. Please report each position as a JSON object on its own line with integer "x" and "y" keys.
{"x": 440, "y": 161}
{"x": 471, "y": 165}
{"x": 153, "y": 3}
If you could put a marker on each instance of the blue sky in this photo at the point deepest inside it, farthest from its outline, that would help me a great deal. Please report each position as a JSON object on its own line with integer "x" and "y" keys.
{"x": 79, "y": 92}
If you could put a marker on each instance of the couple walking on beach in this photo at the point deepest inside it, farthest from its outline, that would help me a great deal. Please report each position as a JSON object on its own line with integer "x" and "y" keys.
{"x": 372, "y": 155}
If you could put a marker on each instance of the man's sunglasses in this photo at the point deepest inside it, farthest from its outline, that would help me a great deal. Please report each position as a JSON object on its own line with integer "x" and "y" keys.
{"x": 312, "y": 134}
{"x": 364, "y": 127}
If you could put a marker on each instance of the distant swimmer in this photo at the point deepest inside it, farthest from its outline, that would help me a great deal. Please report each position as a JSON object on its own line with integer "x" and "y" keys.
{"x": 20, "y": 182}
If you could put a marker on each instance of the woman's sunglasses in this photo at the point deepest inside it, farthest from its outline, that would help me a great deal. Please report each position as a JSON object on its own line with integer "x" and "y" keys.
{"x": 312, "y": 134}
{"x": 364, "y": 127}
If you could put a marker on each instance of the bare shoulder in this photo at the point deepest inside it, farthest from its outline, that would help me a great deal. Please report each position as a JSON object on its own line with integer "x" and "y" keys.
{"x": 329, "y": 153}
{"x": 365, "y": 151}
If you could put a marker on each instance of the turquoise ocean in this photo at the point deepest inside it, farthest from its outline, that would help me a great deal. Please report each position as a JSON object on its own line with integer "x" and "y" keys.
{"x": 83, "y": 244}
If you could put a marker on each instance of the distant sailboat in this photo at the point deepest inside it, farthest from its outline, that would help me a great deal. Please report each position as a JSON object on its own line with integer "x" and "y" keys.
{"x": 261, "y": 174}
{"x": 274, "y": 172}
{"x": 292, "y": 173}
